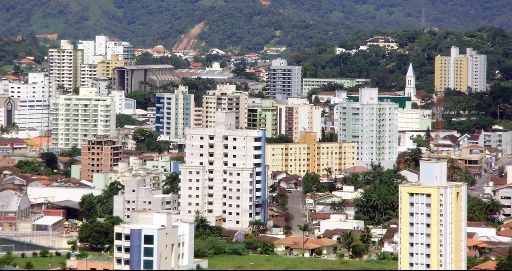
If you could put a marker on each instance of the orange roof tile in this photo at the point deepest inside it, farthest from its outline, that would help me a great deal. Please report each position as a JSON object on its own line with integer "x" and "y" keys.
{"x": 310, "y": 243}
{"x": 472, "y": 253}
{"x": 489, "y": 265}
{"x": 505, "y": 232}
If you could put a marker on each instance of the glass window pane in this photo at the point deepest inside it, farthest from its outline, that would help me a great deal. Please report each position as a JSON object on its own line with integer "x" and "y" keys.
{"x": 147, "y": 265}
{"x": 148, "y": 239}
{"x": 148, "y": 252}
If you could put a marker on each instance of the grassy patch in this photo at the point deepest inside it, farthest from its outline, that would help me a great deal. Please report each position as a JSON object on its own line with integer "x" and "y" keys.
{"x": 40, "y": 263}
{"x": 259, "y": 262}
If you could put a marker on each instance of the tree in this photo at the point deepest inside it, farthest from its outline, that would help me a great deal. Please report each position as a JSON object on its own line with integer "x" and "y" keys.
{"x": 143, "y": 99}
{"x": 88, "y": 207}
{"x": 338, "y": 206}
{"x": 73, "y": 245}
{"x": 505, "y": 263}
{"x": 29, "y": 265}
{"x": 147, "y": 140}
{"x": 316, "y": 100}
{"x": 171, "y": 183}
{"x": 98, "y": 236}
{"x": 50, "y": 160}
{"x": 280, "y": 139}
{"x": 358, "y": 250}
{"x": 257, "y": 226}
{"x": 310, "y": 182}
{"x": 73, "y": 152}
{"x": 366, "y": 237}
{"x": 493, "y": 209}
{"x": 122, "y": 120}
{"x": 409, "y": 159}
{"x": 304, "y": 228}
{"x": 420, "y": 141}
{"x": 282, "y": 198}
{"x": 348, "y": 240}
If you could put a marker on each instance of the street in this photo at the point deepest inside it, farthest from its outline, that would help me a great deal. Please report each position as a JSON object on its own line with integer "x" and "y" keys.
{"x": 296, "y": 209}
{"x": 478, "y": 189}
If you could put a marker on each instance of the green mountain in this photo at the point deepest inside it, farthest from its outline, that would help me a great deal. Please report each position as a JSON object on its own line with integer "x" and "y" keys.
{"x": 244, "y": 24}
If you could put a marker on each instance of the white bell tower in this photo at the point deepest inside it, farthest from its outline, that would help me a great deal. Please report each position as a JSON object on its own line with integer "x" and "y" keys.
{"x": 410, "y": 83}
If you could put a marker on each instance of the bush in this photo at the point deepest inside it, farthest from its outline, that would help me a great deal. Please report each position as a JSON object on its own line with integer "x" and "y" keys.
{"x": 34, "y": 254}
{"x": 29, "y": 265}
{"x": 50, "y": 255}
{"x": 58, "y": 254}
{"x": 385, "y": 256}
{"x": 236, "y": 249}
{"x": 44, "y": 253}
{"x": 318, "y": 252}
{"x": 23, "y": 255}
{"x": 68, "y": 255}
{"x": 340, "y": 255}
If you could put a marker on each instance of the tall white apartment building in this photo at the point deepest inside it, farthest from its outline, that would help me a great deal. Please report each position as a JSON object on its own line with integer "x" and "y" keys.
{"x": 100, "y": 45}
{"x": 33, "y": 108}
{"x": 225, "y": 98}
{"x": 224, "y": 174}
{"x": 64, "y": 66}
{"x": 174, "y": 113}
{"x": 88, "y": 72}
{"x": 77, "y": 118}
{"x": 87, "y": 46}
{"x": 372, "y": 124}
{"x": 432, "y": 221}
{"x": 296, "y": 116}
{"x": 283, "y": 81}
{"x": 121, "y": 48}
{"x": 154, "y": 241}
{"x": 138, "y": 195}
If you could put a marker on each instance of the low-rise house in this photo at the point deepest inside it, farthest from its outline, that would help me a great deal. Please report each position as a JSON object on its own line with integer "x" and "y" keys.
{"x": 337, "y": 234}
{"x": 475, "y": 248}
{"x": 488, "y": 265}
{"x": 391, "y": 240}
{"x": 293, "y": 245}
{"x": 339, "y": 221}
{"x": 14, "y": 206}
{"x": 480, "y": 228}
{"x": 412, "y": 176}
{"x": 91, "y": 262}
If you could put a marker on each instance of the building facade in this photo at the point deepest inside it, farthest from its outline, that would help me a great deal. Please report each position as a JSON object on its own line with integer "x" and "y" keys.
{"x": 174, "y": 113}
{"x": 224, "y": 175}
{"x": 461, "y": 72}
{"x": 139, "y": 77}
{"x": 77, "y": 118}
{"x": 139, "y": 195}
{"x": 309, "y": 155}
{"x": 432, "y": 215}
{"x": 262, "y": 113}
{"x": 372, "y": 125}
{"x": 154, "y": 241}
{"x": 312, "y": 83}
{"x": 283, "y": 81}
{"x": 64, "y": 66}
{"x": 296, "y": 116}
{"x": 225, "y": 98}
{"x": 99, "y": 155}
{"x": 105, "y": 67}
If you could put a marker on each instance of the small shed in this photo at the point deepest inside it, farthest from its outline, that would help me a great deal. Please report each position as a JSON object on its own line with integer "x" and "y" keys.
{"x": 48, "y": 223}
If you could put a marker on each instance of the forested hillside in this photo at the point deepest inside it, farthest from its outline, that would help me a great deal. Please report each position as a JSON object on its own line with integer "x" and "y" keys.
{"x": 243, "y": 24}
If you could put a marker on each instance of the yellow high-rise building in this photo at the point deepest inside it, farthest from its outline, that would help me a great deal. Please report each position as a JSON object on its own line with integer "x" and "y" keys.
{"x": 309, "y": 155}
{"x": 461, "y": 72}
{"x": 432, "y": 221}
{"x": 105, "y": 67}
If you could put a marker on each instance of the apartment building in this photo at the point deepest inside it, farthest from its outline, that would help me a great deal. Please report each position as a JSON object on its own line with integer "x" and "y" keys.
{"x": 384, "y": 42}
{"x": 262, "y": 113}
{"x": 500, "y": 139}
{"x": 100, "y": 154}
{"x": 309, "y": 155}
{"x": 32, "y": 106}
{"x": 461, "y": 72}
{"x": 283, "y": 81}
{"x": 224, "y": 175}
{"x": 309, "y": 84}
{"x": 64, "y": 66}
{"x": 77, "y": 118}
{"x": 371, "y": 124}
{"x": 197, "y": 119}
{"x": 296, "y": 116}
{"x": 410, "y": 119}
{"x": 225, "y": 98}
{"x": 502, "y": 192}
{"x": 154, "y": 241}
{"x": 432, "y": 215}
{"x": 121, "y": 48}
{"x": 139, "y": 195}
{"x": 174, "y": 113}
{"x": 87, "y": 74}
{"x": 105, "y": 67}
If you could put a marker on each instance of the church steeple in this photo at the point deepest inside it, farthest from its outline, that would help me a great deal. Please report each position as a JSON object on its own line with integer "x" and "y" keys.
{"x": 410, "y": 83}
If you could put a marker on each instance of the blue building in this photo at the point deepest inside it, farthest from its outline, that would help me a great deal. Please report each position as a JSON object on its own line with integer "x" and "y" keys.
{"x": 174, "y": 113}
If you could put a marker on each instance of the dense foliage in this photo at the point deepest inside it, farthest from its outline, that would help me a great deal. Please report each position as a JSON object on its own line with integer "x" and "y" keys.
{"x": 379, "y": 201}
{"x": 387, "y": 69}
{"x": 311, "y": 184}
{"x": 280, "y": 139}
{"x": 172, "y": 183}
{"x": 147, "y": 59}
{"x": 147, "y": 141}
{"x": 97, "y": 233}
{"x": 244, "y": 24}
{"x": 33, "y": 167}
{"x": 123, "y": 120}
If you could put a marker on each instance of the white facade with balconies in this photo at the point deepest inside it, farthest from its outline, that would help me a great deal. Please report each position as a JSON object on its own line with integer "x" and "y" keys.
{"x": 224, "y": 174}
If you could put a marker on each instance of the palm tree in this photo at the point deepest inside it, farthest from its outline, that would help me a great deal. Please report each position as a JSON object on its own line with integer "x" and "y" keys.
{"x": 348, "y": 240}
{"x": 366, "y": 237}
{"x": 493, "y": 209}
{"x": 338, "y": 206}
{"x": 329, "y": 172}
{"x": 304, "y": 228}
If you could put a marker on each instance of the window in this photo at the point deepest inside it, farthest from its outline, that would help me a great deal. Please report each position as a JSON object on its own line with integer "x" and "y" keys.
{"x": 147, "y": 265}
{"x": 119, "y": 236}
{"x": 118, "y": 261}
{"x": 148, "y": 252}
{"x": 127, "y": 237}
{"x": 149, "y": 239}
{"x": 119, "y": 248}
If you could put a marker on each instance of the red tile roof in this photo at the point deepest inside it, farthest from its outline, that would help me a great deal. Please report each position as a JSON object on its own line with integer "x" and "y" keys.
{"x": 478, "y": 224}
{"x": 505, "y": 232}
{"x": 489, "y": 265}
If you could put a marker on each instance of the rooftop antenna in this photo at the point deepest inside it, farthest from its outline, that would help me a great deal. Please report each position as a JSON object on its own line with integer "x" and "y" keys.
{"x": 423, "y": 20}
